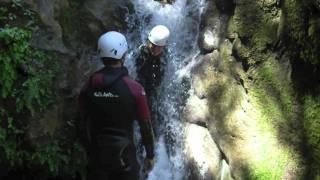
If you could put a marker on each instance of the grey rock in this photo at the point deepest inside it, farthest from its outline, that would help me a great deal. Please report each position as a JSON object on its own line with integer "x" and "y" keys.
{"x": 49, "y": 37}
{"x": 200, "y": 72}
{"x": 196, "y": 111}
{"x": 111, "y": 13}
{"x": 209, "y": 40}
{"x": 204, "y": 157}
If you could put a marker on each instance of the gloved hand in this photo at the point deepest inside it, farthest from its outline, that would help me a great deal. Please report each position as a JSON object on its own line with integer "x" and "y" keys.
{"x": 148, "y": 165}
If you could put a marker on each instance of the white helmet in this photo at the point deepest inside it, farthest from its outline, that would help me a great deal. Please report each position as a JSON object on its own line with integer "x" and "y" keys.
{"x": 112, "y": 44}
{"x": 159, "y": 35}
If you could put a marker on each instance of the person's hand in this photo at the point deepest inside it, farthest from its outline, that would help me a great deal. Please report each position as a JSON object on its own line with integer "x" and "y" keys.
{"x": 148, "y": 165}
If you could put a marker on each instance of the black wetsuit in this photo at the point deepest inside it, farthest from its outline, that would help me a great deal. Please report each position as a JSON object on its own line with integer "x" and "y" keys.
{"x": 109, "y": 103}
{"x": 150, "y": 69}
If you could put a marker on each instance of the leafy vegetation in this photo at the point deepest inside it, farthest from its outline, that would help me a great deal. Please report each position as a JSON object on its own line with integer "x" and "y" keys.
{"x": 26, "y": 91}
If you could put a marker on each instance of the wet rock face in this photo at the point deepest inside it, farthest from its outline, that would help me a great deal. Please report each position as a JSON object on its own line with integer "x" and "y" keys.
{"x": 200, "y": 74}
{"x": 196, "y": 111}
{"x": 70, "y": 29}
{"x": 236, "y": 83}
{"x": 209, "y": 40}
{"x": 243, "y": 81}
{"x": 50, "y": 36}
{"x": 111, "y": 14}
{"x": 213, "y": 28}
{"x": 226, "y": 6}
{"x": 208, "y": 33}
{"x": 67, "y": 25}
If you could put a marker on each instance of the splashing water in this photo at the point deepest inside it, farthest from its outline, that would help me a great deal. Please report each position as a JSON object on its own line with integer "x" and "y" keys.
{"x": 183, "y": 19}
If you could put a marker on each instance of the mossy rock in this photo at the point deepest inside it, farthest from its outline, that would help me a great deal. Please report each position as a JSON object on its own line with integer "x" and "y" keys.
{"x": 312, "y": 128}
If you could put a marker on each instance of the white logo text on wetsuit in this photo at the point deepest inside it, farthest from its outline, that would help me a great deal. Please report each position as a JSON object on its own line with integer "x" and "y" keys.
{"x": 105, "y": 94}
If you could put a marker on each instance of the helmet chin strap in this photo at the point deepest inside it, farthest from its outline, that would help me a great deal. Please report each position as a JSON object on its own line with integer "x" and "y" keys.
{"x": 123, "y": 59}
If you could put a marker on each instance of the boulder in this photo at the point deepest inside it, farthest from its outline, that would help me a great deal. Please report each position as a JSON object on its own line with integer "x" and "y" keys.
{"x": 196, "y": 111}
{"x": 204, "y": 157}
{"x": 209, "y": 32}
{"x": 207, "y": 67}
{"x": 208, "y": 40}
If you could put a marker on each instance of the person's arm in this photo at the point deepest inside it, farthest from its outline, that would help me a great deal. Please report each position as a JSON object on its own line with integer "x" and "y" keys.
{"x": 143, "y": 117}
{"x": 146, "y": 131}
{"x": 147, "y": 137}
{"x": 140, "y": 59}
{"x": 144, "y": 121}
{"x": 140, "y": 63}
{"x": 82, "y": 116}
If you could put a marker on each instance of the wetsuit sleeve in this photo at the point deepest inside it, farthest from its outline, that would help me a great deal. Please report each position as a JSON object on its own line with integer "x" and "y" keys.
{"x": 143, "y": 116}
{"x": 140, "y": 60}
{"x": 82, "y": 115}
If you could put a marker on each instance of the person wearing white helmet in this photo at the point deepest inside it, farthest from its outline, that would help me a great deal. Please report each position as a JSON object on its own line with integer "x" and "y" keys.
{"x": 151, "y": 60}
{"x": 108, "y": 104}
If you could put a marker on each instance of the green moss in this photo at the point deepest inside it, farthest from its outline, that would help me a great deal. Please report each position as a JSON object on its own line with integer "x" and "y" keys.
{"x": 301, "y": 21}
{"x": 247, "y": 18}
{"x": 312, "y": 128}
{"x": 265, "y": 35}
{"x": 224, "y": 100}
{"x": 278, "y": 139}
{"x": 273, "y": 163}
{"x": 277, "y": 88}
{"x": 273, "y": 149}
{"x": 257, "y": 25}
{"x": 280, "y": 119}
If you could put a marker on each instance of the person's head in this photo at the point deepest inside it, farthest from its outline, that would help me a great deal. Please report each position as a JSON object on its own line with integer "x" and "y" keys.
{"x": 158, "y": 39}
{"x": 112, "y": 47}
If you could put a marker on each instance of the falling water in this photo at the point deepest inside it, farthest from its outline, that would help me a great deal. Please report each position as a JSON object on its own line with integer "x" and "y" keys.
{"x": 182, "y": 18}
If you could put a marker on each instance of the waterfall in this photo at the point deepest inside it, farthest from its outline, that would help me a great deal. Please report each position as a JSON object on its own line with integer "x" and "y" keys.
{"x": 183, "y": 20}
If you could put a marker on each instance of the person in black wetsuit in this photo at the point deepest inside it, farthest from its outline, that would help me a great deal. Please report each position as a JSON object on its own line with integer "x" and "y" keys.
{"x": 150, "y": 65}
{"x": 108, "y": 105}
{"x": 150, "y": 61}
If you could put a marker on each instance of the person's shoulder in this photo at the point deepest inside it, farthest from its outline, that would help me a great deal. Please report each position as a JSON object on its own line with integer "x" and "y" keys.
{"x": 142, "y": 46}
{"x": 132, "y": 83}
{"x": 136, "y": 88}
{"x": 96, "y": 78}
{"x": 142, "y": 54}
{"x": 143, "y": 49}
